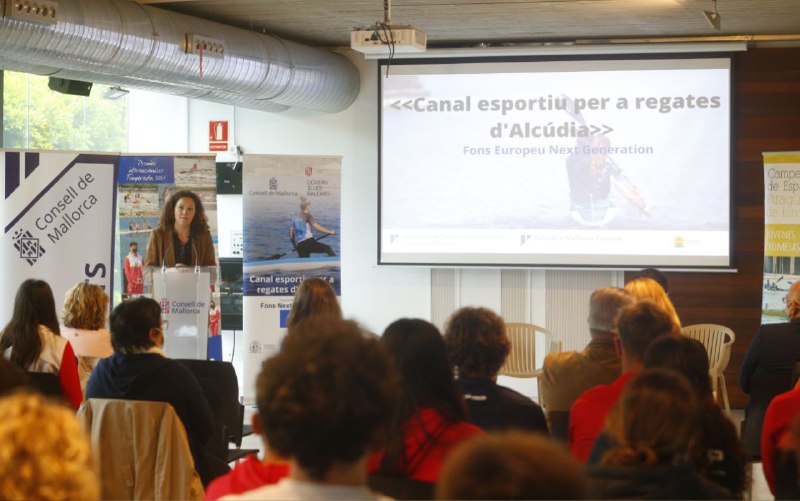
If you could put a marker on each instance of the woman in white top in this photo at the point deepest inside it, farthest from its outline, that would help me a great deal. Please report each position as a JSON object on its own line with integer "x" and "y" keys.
{"x": 32, "y": 342}
{"x": 85, "y": 312}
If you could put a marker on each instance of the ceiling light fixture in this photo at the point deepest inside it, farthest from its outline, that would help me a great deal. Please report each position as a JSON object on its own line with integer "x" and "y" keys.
{"x": 712, "y": 16}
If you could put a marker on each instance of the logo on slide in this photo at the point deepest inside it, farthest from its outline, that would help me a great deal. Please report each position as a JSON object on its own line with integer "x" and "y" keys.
{"x": 273, "y": 184}
{"x": 28, "y": 246}
{"x": 255, "y": 347}
{"x": 164, "y": 303}
{"x": 523, "y": 239}
{"x": 309, "y": 171}
{"x": 393, "y": 237}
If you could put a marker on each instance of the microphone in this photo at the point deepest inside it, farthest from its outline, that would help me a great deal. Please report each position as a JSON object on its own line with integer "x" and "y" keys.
{"x": 196, "y": 258}
{"x": 164, "y": 260}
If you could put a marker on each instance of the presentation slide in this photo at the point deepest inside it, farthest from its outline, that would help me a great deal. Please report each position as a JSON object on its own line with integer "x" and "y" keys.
{"x": 612, "y": 163}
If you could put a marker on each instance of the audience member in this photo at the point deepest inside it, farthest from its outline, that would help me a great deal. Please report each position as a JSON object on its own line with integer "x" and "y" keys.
{"x": 85, "y": 309}
{"x": 647, "y": 288}
{"x": 139, "y": 370}
{"x": 654, "y": 274}
{"x": 314, "y": 297}
{"x": 323, "y": 403}
{"x": 782, "y": 410}
{"x": 513, "y": 465}
{"x": 767, "y": 368}
{"x": 784, "y": 463}
{"x": 32, "y": 342}
{"x": 478, "y": 346}
{"x": 11, "y": 378}
{"x": 639, "y": 325}
{"x": 718, "y": 454}
{"x": 43, "y": 452}
{"x": 652, "y": 427}
{"x": 566, "y": 375}
{"x": 431, "y": 418}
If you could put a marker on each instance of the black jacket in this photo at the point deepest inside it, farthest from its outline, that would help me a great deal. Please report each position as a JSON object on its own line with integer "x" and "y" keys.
{"x": 497, "y": 408}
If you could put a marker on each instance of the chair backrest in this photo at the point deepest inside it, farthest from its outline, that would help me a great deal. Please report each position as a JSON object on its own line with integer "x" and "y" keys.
{"x": 141, "y": 450}
{"x": 521, "y": 361}
{"x": 717, "y": 340}
{"x": 231, "y": 411}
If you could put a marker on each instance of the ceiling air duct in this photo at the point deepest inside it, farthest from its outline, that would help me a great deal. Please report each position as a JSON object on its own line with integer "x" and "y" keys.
{"x": 117, "y": 42}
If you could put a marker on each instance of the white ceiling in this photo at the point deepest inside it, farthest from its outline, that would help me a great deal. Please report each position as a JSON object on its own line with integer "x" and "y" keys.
{"x": 449, "y": 23}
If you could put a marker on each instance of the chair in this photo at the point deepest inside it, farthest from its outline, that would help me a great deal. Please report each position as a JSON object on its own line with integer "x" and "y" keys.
{"x": 141, "y": 450}
{"x": 718, "y": 341}
{"x": 521, "y": 361}
{"x": 229, "y": 411}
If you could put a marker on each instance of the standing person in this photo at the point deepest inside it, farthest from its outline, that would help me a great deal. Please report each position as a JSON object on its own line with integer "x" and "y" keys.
{"x": 214, "y": 316}
{"x": 301, "y": 235}
{"x": 32, "y": 341}
{"x": 767, "y": 367}
{"x": 85, "y": 308}
{"x": 182, "y": 237}
{"x": 139, "y": 370}
{"x": 431, "y": 418}
{"x": 478, "y": 346}
{"x": 133, "y": 270}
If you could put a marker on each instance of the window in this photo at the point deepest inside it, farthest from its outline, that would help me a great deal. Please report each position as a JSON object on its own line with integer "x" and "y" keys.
{"x": 35, "y": 117}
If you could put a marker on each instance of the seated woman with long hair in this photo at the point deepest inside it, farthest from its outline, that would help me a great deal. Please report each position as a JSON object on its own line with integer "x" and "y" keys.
{"x": 85, "y": 309}
{"x": 314, "y": 297}
{"x": 647, "y": 288}
{"x": 430, "y": 418}
{"x": 32, "y": 340}
{"x": 653, "y": 427}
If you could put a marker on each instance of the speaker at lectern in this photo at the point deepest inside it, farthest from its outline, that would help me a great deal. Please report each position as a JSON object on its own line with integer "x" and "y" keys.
{"x": 184, "y": 294}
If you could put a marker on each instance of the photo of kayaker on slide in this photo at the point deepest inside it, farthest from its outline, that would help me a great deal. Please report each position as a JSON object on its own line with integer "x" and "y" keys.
{"x": 591, "y": 173}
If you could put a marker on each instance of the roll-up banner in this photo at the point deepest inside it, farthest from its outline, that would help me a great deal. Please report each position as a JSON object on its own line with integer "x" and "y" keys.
{"x": 145, "y": 184}
{"x": 58, "y": 221}
{"x": 781, "y": 232}
{"x": 292, "y": 208}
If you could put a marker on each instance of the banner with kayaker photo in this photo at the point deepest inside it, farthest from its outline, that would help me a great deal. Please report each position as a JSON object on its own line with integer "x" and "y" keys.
{"x": 781, "y": 232}
{"x": 292, "y": 211}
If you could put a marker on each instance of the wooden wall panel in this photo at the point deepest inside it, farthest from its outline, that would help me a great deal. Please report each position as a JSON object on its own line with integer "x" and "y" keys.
{"x": 766, "y": 118}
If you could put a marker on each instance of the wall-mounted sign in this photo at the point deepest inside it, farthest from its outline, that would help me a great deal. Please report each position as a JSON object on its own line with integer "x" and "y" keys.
{"x": 218, "y": 135}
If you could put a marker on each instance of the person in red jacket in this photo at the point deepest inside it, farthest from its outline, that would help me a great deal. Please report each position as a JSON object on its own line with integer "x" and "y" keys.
{"x": 431, "y": 418}
{"x": 32, "y": 340}
{"x": 133, "y": 270}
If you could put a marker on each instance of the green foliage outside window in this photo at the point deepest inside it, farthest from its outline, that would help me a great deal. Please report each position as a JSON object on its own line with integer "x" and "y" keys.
{"x": 35, "y": 117}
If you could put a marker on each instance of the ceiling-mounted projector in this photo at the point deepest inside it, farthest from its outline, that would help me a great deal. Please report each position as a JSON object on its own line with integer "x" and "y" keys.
{"x": 379, "y": 40}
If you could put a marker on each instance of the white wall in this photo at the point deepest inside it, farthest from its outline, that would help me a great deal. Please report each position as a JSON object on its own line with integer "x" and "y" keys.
{"x": 374, "y": 296}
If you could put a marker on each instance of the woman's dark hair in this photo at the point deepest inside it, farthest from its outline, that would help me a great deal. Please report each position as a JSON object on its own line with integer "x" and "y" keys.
{"x": 427, "y": 380}
{"x": 34, "y": 305}
{"x": 130, "y": 324}
{"x": 314, "y": 297}
{"x": 167, "y": 220}
{"x": 327, "y": 395}
{"x": 477, "y": 342}
{"x": 684, "y": 355}
{"x": 717, "y": 451}
{"x": 655, "y": 420}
